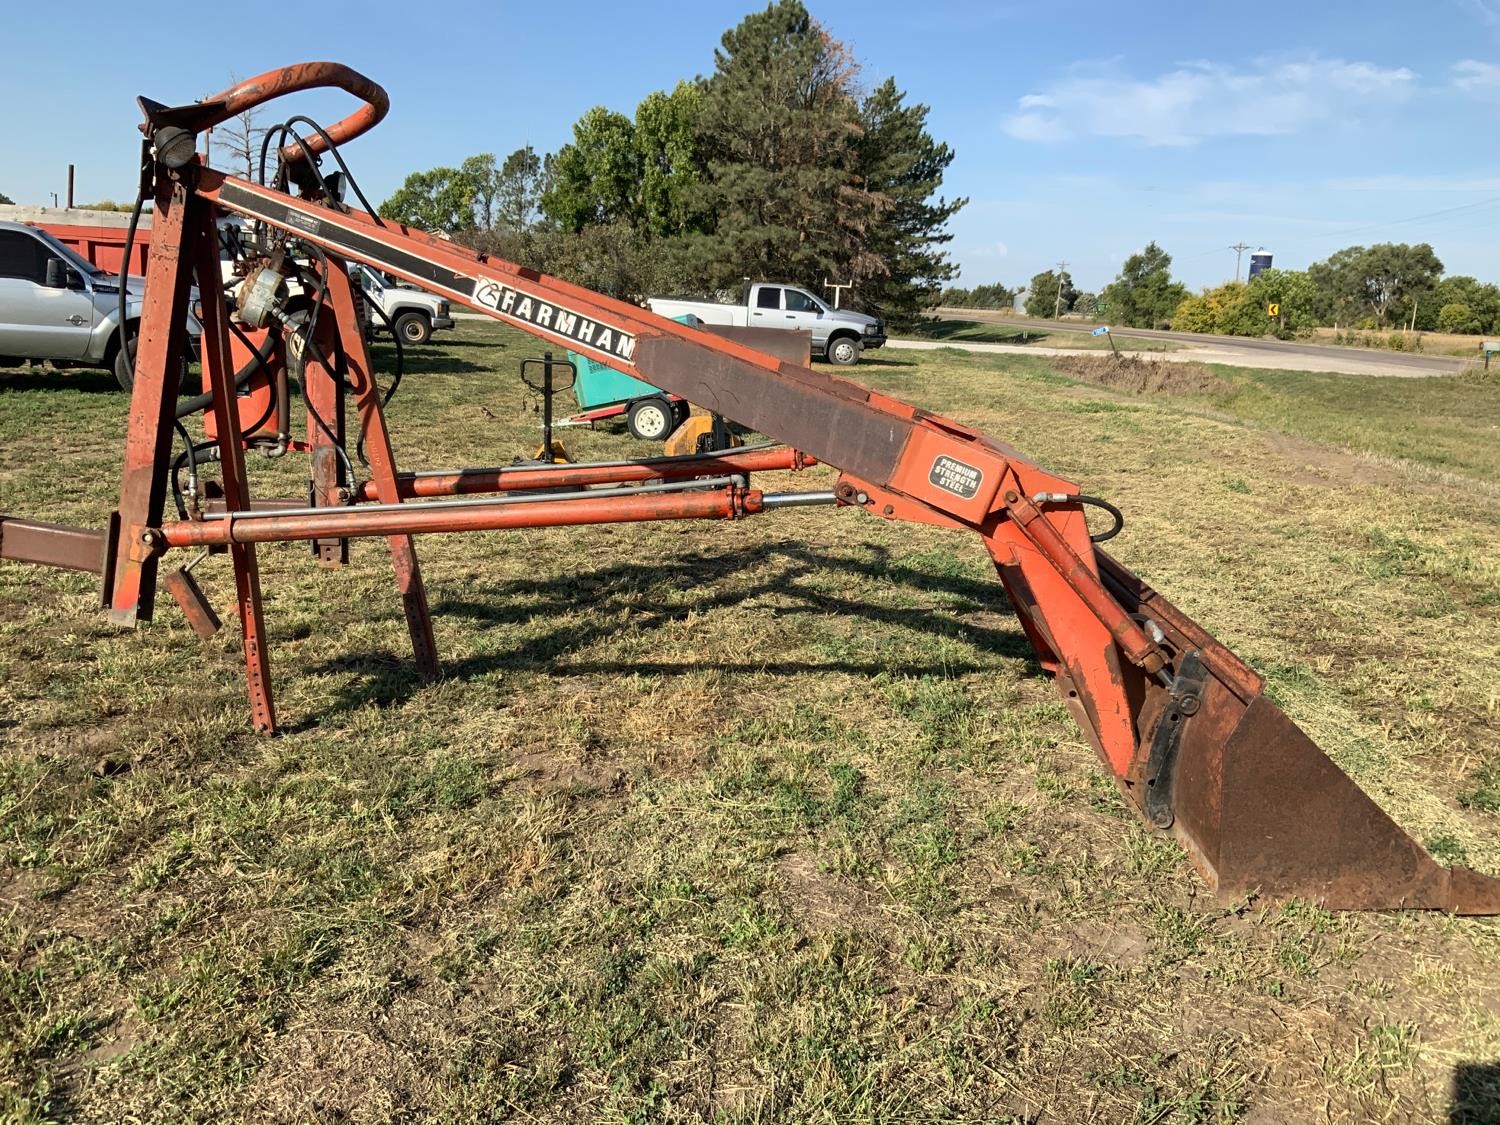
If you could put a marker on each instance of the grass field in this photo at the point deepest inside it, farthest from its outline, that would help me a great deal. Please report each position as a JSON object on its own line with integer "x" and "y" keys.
{"x": 772, "y": 821}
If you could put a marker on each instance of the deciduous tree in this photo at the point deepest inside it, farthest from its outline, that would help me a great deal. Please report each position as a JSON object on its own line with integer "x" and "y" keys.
{"x": 1144, "y": 294}
{"x": 1042, "y": 294}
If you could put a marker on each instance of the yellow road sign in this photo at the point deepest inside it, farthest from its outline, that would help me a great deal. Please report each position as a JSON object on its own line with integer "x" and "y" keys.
{"x": 1273, "y": 309}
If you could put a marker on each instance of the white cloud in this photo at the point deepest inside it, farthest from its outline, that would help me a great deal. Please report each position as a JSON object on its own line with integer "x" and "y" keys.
{"x": 1202, "y": 99}
{"x": 1475, "y": 77}
{"x": 993, "y": 250}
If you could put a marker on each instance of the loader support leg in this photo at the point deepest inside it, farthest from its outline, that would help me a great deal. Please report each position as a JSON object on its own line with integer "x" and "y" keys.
{"x": 203, "y": 241}
{"x": 382, "y": 462}
{"x": 160, "y": 347}
{"x": 324, "y": 390}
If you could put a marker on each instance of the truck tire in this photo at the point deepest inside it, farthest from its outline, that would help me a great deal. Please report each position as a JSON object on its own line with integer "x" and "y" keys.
{"x": 651, "y": 419}
{"x": 843, "y": 351}
{"x": 413, "y": 328}
{"x": 123, "y": 363}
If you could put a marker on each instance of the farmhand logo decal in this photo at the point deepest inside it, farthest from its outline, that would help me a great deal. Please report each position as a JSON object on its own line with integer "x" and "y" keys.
{"x": 514, "y": 304}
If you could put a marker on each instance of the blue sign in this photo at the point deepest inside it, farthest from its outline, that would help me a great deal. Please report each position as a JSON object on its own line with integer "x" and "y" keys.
{"x": 1100, "y": 331}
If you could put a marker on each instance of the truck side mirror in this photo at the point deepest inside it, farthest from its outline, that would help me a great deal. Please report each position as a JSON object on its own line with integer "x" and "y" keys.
{"x": 57, "y": 274}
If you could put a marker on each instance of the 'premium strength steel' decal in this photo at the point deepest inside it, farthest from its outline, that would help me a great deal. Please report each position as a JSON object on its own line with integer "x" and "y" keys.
{"x": 586, "y": 333}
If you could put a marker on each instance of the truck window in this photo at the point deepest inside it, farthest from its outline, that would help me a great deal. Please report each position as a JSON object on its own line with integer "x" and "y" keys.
{"x": 798, "y": 301}
{"x": 769, "y": 297}
{"x": 22, "y": 256}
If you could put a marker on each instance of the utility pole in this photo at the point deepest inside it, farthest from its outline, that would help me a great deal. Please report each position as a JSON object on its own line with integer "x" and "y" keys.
{"x": 1238, "y": 248}
{"x": 1057, "y": 305}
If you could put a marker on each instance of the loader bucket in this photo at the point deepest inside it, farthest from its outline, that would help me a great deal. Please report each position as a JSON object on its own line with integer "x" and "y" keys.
{"x": 1257, "y": 805}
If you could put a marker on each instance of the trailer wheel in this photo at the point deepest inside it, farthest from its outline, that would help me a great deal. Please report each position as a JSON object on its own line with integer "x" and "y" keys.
{"x": 650, "y": 419}
{"x": 843, "y": 351}
{"x": 413, "y": 328}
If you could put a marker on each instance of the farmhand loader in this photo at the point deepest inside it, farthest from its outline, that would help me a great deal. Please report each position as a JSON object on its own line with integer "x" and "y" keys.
{"x": 1183, "y": 724}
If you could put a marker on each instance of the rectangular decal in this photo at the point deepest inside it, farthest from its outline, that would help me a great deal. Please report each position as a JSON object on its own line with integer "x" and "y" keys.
{"x": 952, "y": 475}
{"x": 523, "y": 307}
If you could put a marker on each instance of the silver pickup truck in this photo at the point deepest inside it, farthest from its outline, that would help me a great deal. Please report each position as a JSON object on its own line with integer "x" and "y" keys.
{"x": 839, "y": 335}
{"x": 58, "y": 306}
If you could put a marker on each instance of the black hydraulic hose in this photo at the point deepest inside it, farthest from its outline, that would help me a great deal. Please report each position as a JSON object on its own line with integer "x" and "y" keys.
{"x": 333, "y": 150}
{"x": 1091, "y": 501}
{"x": 1115, "y": 514}
{"x": 260, "y": 358}
{"x": 400, "y": 354}
{"x": 318, "y": 356}
{"x": 124, "y": 279}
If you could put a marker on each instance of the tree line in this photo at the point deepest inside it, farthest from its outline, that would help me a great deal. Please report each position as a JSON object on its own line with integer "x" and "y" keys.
{"x": 777, "y": 165}
{"x": 1386, "y": 286}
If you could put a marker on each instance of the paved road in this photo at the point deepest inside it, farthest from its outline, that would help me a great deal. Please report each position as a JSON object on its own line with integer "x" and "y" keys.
{"x": 1256, "y": 353}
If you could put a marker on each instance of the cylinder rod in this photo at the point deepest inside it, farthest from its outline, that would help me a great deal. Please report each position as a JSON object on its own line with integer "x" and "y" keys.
{"x": 462, "y": 482}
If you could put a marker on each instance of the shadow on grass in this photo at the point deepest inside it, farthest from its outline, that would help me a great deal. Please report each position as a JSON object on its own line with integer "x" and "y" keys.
{"x": 66, "y": 379}
{"x": 867, "y": 361}
{"x": 974, "y": 331}
{"x": 418, "y": 361}
{"x": 1476, "y": 1094}
{"x": 628, "y": 599}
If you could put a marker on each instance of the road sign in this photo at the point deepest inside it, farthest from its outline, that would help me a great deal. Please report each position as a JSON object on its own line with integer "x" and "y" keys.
{"x": 1273, "y": 309}
{"x": 1104, "y": 331}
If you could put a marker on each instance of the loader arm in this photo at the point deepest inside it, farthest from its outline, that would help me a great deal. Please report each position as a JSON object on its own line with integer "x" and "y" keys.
{"x": 1182, "y": 724}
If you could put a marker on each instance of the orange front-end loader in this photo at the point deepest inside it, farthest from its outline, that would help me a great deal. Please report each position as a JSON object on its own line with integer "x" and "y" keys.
{"x": 1183, "y": 725}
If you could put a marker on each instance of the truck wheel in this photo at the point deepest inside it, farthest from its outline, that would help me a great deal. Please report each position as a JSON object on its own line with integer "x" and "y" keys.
{"x": 124, "y": 364}
{"x": 844, "y": 352}
{"x": 413, "y": 328}
{"x": 650, "y": 419}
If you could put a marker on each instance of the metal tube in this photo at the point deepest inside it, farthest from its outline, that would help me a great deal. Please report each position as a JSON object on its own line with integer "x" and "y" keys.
{"x": 462, "y": 482}
{"x": 431, "y": 505}
{"x": 483, "y": 515}
{"x": 796, "y": 499}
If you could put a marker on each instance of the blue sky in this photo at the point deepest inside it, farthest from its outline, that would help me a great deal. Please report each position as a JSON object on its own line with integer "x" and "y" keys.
{"x": 1082, "y": 130}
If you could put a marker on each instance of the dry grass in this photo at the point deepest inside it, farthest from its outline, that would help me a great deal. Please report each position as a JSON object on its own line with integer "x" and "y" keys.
{"x": 1139, "y": 376}
{"x": 772, "y": 821}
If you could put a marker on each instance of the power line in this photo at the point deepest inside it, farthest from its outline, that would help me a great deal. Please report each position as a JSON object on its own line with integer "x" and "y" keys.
{"x": 1061, "y": 274}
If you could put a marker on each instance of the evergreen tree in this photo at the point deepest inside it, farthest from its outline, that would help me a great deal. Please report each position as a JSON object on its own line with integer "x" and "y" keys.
{"x": 899, "y": 160}
{"x": 779, "y": 131}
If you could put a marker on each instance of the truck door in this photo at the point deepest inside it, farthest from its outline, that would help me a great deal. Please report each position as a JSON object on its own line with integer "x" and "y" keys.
{"x": 36, "y": 321}
{"x": 765, "y": 308}
{"x": 803, "y": 311}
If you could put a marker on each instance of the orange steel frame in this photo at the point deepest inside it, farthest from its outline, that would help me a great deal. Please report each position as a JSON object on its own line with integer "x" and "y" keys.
{"x": 1174, "y": 715}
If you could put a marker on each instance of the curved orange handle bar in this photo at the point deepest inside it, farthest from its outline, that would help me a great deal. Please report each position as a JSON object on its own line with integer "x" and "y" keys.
{"x": 307, "y": 76}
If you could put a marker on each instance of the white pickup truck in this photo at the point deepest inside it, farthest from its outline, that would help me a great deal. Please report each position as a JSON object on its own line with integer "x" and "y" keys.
{"x": 839, "y": 335}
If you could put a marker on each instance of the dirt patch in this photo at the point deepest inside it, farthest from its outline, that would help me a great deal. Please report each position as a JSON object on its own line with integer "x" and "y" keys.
{"x": 1142, "y": 376}
{"x": 823, "y": 902}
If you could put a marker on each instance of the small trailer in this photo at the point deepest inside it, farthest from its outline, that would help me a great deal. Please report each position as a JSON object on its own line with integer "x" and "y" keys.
{"x": 650, "y": 413}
